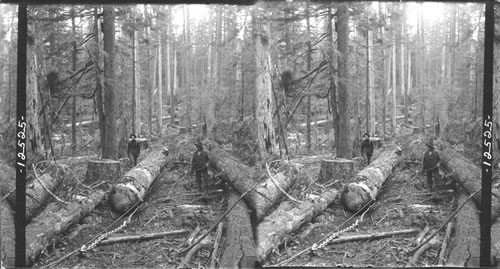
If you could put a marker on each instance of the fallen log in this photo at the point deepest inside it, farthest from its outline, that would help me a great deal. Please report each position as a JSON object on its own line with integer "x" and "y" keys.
{"x": 343, "y": 239}
{"x": 287, "y": 218}
{"x": 239, "y": 250}
{"x": 213, "y": 258}
{"x": 124, "y": 196}
{"x": 242, "y": 179}
{"x": 102, "y": 170}
{"x": 364, "y": 187}
{"x": 138, "y": 237}
{"x": 444, "y": 246}
{"x": 465, "y": 247}
{"x": 7, "y": 235}
{"x": 55, "y": 219}
{"x": 40, "y": 189}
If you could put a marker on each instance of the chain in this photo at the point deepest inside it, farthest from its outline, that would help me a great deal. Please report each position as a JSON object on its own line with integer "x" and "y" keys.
{"x": 101, "y": 237}
{"x": 327, "y": 240}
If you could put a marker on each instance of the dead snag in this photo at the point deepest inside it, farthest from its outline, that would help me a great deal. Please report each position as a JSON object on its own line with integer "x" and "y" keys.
{"x": 239, "y": 246}
{"x": 364, "y": 187}
{"x": 102, "y": 170}
{"x": 242, "y": 179}
{"x": 55, "y": 219}
{"x": 7, "y": 235}
{"x": 465, "y": 244}
{"x": 124, "y": 196}
{"x": 467, "y": 174}
{"x": 36, "y": 190}
{"x": 287, "y": 218}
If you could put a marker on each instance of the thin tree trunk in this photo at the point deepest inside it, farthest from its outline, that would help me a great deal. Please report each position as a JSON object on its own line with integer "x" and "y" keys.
{"x": 73, "y": 108}
{"x": 187, "y": 61}
{"x": 308, "y": 69}
{"x": 333, "y": 89}
{"x": 136, "y": 98}
{"x": 394, "y": 85}
{"x": 421, "y": 63}
{"x": 110, "y": 149}
{"x": 370, "y": 128}
{"x": 385, "y": 66}
{"x": 160, "y": 86}
{"x": 99, "y": 94}
{"x": 402, "y": 69}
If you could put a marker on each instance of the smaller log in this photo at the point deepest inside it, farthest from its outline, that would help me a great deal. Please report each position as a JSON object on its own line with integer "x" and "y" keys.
{"x": 338, "y": 169}
{"x": 7, "y": 235}
{"x": 465, "y": 250}
{"x": 36, "y": 190}
{"x": 55, "y": 219}
{"x": 148, "y": 236}
{"x": 239, "y": 251}
{"x": 213, "y": 259}
{"x": 444, "y": 246}
{"x": 343, "y": 239}
{"x": 102, "y": 170}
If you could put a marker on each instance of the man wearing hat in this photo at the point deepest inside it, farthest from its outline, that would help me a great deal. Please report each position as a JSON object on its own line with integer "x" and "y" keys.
{"x": 431, "y": 164}
{"x": 133, "y": 148}
{"x": 199, "y": 165}
{"x": 367, "y": 147}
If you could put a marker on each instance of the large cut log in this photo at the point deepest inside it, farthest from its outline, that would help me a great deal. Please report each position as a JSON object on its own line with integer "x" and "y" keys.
{"x": 287, "y": 218}
{"x": 55, "y": 219}
{"x": 239, "y": 250}
{"x": 102, "y": 170}
{"x": 335, "y": 169}
{"x": 242, "y": 178}
{"x": 37, "y": 190}
{"x": 465, "y": 244}
{"x": 467, "y": 174}
{"x": 137, "y": 181}
{"x": 7, "y": 235}
{"x": 364, "y": 187}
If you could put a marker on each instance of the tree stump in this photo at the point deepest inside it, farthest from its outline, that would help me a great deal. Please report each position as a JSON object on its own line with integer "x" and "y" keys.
{"x": 102, "y": 170}
{"x": 7, "y": 235}
{"x": 339, "y": 169}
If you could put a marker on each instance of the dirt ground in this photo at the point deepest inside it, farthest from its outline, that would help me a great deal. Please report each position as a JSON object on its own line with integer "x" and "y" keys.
{"x": 404, "y": 203}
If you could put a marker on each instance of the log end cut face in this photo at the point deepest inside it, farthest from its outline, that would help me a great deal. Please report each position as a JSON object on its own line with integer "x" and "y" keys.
{"x": 121, "y": 199}
{"x": 354, "y": 197}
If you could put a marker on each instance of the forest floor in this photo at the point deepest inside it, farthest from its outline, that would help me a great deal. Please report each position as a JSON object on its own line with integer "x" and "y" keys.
{"x": 403, "y": 203}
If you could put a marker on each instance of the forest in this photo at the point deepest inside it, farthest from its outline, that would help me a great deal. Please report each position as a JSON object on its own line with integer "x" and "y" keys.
{"x": 279, "y": 95}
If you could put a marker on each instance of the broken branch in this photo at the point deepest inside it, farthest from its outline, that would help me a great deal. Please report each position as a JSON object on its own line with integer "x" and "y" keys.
{"x": 148, "y": 236}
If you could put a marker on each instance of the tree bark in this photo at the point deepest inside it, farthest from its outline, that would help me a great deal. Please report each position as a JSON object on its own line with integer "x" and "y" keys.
{"x": 102, "y": 170}
{"x": 344, "y": 147}
{"x": 136, "y": 97}
{"x": 239, "y": 251}
{"x": 55, "y": 219}
{"x": 370, "y": 96}
{"x": 365, "y": 186}
{"x": 335, "y": 169}
{"x": 110, "y": 147}
{"x": 73, "y": 108}
{"x": 465, "y": 244}
{"x": 242, "y": 179}
{"x": 287, "y": 218}
{"x": 36, "y": 193}
{"x": 99, "y": 94}
{"x": 160, "y": 84}
{"x": 7, "y": 235}
{"x": 124, "y": 196}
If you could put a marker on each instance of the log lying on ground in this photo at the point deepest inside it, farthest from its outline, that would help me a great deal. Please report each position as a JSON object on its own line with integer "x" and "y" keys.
{"x": 102, "y": 170}
{"x": 7, "y": 235}
{"x": 55, "y": 219}
{"x": 239, "y": 250}
{"x": 36, "y": 190}
{"x": 364, "y": 187}
{"x": 287, "y": 218}
{"x": 242, "y": 178}
{"x": 138, "y": 237}
{"x": 467, "y": 174}
{"x": 124, "y": 196}
{"x": 465, "y": 244}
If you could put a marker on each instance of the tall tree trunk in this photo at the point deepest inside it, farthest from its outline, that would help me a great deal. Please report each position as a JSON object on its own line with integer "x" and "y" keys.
{"x": 385, "y": 70}
{"x": 171, "y": 86}
{"x": 175, "y": 79}
{"x": 394, "y": 85}
{"x": 344, "y": 148}
{"x": 420, "y": 63}
{"x": 308, "y": 68}
{"x": 110, "y": 149}
{"x": 160, "y": 85}
{"x": 99, "y": 94}
{"x": 73, "y": 108}
{"x": 264, "y": 102}
{"x": 136, "y": 96}
{"x": 404, "y": 91}
{"x": 370, "y": 97}
{"x": 187, "y": 61}
{"x": 333, "y": 89}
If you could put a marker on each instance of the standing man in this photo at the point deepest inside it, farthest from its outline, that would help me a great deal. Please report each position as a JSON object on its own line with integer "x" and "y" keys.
{"x": 367, "y": 147}
{"x": 133, "y": 149}
{"x": 199, "y": 165}
{"x": 431, "y": 164}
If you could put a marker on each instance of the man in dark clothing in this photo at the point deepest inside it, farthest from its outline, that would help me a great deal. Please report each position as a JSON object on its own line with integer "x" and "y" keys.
{"x": 133, "y": 149}
{"x": 367, "y": 147}
{"x": 431, "y": 164}
{"x": 199, "y": 165}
